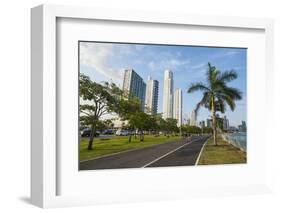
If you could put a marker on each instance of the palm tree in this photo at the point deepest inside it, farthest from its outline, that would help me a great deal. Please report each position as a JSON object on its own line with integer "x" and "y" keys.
{"x": 216, "y": 93}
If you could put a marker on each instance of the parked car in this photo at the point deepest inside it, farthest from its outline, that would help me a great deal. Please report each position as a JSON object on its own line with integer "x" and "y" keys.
{"x": 121, "y": 132}
{"x": 87, "y": 132}
{"x": 108, "y": 132}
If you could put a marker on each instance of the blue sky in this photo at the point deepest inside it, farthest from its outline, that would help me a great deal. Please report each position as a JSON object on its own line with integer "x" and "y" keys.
{"x": 107, "y": 62}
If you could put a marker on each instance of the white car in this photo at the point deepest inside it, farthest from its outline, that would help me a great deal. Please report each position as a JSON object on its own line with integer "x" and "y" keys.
{"x": 121, "y": 132}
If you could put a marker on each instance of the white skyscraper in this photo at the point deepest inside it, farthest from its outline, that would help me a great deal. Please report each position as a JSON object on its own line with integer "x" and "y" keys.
{"x": 193, "y": 118}
{"x": 151, "y": 97}
{"x": 178, "y": 106}
{"x": 168, "y": 94}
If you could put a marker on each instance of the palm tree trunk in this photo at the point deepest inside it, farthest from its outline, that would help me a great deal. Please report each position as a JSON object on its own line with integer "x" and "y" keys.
{"x": 214, "y": 122}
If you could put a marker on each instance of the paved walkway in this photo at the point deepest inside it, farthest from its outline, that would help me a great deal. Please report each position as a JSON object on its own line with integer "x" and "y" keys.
{"x": 181, "y": 153}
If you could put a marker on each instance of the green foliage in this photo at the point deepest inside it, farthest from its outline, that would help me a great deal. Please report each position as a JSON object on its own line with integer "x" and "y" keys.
{"x": 139, "y": 120}
{"x": 216, "y": 94}
{"x": 126, "y": 108}
{"x": 217, "y": 88}
{"x": 104, "y": 124}
{"x": 99, "y": 100}
{"x": 187, "y": 129}
{"x": 207, "y": 130}
{"x": 172, "y": 125}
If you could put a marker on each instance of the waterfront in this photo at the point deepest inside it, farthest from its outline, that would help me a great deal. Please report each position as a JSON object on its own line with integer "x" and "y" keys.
{"x": 238, "y": 139}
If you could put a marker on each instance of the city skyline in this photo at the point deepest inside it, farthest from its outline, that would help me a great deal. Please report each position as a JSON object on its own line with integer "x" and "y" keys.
{"x": 105, "y": 62}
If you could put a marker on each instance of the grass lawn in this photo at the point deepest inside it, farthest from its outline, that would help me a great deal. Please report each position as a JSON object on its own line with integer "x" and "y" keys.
{"x": 118, "y": 144}
{"x": 224, "y": 153}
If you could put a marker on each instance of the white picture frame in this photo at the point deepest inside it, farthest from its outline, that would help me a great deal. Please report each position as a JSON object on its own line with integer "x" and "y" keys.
{"x": 44, "y": 153}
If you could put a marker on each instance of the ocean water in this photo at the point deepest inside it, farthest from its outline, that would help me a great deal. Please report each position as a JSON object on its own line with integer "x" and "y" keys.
{"x": 238, "y": 139}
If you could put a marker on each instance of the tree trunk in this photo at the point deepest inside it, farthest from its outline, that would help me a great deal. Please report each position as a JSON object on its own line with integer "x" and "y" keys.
{"x": 130, "y": 138}
{"x": 135, "y": 134}
{"x": 92, "y": 135}
{"x": 214, "y": 122}
{"x": 141, "y": 136}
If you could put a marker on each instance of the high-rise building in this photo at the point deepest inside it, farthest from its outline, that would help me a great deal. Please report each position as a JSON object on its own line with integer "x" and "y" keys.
{"x": 202, "y": 124}
{"x": 151, "y": 97}
{"x": 134, "y": 86}
{"x": 193, "y": 118}
{"x": 242, "y": 127}
{"x": 168, "y": 95}
{"x": 209, "y": 123}
{"x": 185, "y": 119}
{"x": 225, "y": 123}
{"x": 188, "y": 121}
{"x": 178, "y": 106}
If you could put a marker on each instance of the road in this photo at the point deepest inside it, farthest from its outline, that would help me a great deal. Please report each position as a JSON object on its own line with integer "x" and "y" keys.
{"x": 181, "y": 153}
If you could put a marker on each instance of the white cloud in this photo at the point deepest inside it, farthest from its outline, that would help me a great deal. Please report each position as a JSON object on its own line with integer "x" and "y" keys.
{"x": 228, "y": 53}
{"x": 199, "y": 66}
{"x": 97, "y": 56}
{"x": 173, "y": 64}
{"x": 231, "y": 53}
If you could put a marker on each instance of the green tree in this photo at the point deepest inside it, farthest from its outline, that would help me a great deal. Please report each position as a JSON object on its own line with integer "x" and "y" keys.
{"x": 207, "y": 130}
{"x": 216, "y": 93}
{"x": 187, "y": 129}
{"x": 104, "y": 124}
{"x": 154, "y": 123}
{"x": 172, "y": 125}
{"x": 127, "y": 109}
{"x": 140, "y": 121}
{"x": 99, "y": 99}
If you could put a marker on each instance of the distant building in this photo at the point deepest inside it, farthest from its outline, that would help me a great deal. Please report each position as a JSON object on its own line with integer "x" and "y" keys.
{"x": 202, "y": 124}
{"x": 242, "y": 127}
{"x": 209, "y": 123}
{"x": 168, "y": 94}
{"x": 232, "y": 129}
{"x": 186, "y": 121}
{"x": 193, "y": 118}
{"x": 178, "y": 106}
{"x": 225, "y": 123}
{"x": 134, "y": 86}
{"x": 151, "y": 97}
{"x": 118, "y": 123}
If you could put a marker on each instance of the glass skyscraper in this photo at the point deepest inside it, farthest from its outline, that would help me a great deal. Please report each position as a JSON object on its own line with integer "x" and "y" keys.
{"x": 134, "y": 86}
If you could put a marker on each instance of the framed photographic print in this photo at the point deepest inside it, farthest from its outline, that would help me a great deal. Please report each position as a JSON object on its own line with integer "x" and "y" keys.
{"x": 130, "y": 106}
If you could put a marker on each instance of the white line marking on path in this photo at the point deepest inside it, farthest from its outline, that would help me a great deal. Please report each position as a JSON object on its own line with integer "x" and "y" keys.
{"x": 157, "y": 159}
{"x": 198, "y": 158}
{"x": 109, "y": 155}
